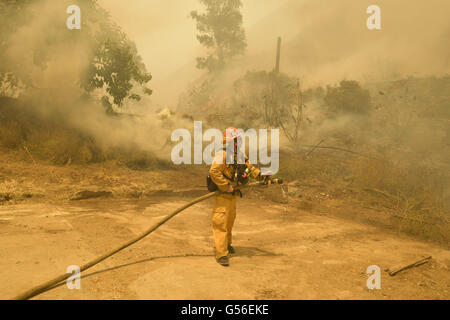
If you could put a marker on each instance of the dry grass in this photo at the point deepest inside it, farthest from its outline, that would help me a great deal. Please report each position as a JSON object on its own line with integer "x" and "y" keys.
{"x": 412, "y": 198}
{"x": 416, "y": 193}
{"x": 36, "y": 138}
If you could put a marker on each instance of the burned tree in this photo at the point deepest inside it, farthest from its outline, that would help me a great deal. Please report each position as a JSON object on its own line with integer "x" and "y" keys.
{"x": 284, "y": 106}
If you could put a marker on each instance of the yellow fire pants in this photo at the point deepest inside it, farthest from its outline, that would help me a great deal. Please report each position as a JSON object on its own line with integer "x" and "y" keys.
{"x": 224, "y": 214}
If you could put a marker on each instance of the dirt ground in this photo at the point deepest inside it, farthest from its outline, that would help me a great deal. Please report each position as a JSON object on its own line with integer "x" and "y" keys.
{"x": 284, "y": 250}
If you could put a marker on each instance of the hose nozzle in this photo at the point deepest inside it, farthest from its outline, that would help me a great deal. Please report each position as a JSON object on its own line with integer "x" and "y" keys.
{"x": 268, "y": 180}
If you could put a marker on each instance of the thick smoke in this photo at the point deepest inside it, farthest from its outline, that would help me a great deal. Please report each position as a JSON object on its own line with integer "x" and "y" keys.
{"x": 322, "y": 41}
{"x": 54, "y": 85}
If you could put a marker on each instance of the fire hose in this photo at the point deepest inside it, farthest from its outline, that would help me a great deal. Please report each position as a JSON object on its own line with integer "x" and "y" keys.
{"x": 51, "y": 283}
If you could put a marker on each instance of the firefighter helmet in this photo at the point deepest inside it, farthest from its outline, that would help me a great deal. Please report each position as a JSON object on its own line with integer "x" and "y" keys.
{"x": 230, "y": 134}
{"x": 232, "y": 140}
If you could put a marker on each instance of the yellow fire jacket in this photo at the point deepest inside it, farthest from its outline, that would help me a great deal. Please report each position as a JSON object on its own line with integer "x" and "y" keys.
{"x": 219, "y": 169}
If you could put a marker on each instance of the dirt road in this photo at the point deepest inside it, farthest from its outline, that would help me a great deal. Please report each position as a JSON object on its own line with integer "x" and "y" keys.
{"x": 282, "y": 253}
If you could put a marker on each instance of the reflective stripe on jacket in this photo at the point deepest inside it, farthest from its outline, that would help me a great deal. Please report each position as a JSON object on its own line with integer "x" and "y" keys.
{"x": 219, "y": 169}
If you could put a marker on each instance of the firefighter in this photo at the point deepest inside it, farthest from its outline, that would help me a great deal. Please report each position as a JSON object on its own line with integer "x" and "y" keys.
{"x": 224, "y": 170}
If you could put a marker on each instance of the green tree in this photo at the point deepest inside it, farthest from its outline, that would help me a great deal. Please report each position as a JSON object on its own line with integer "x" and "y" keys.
{"x": 220, "y": 30}
{"x": 113, "y": 67}
{"x": 12, "y": 15}
{"x": 115, "y": 64}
